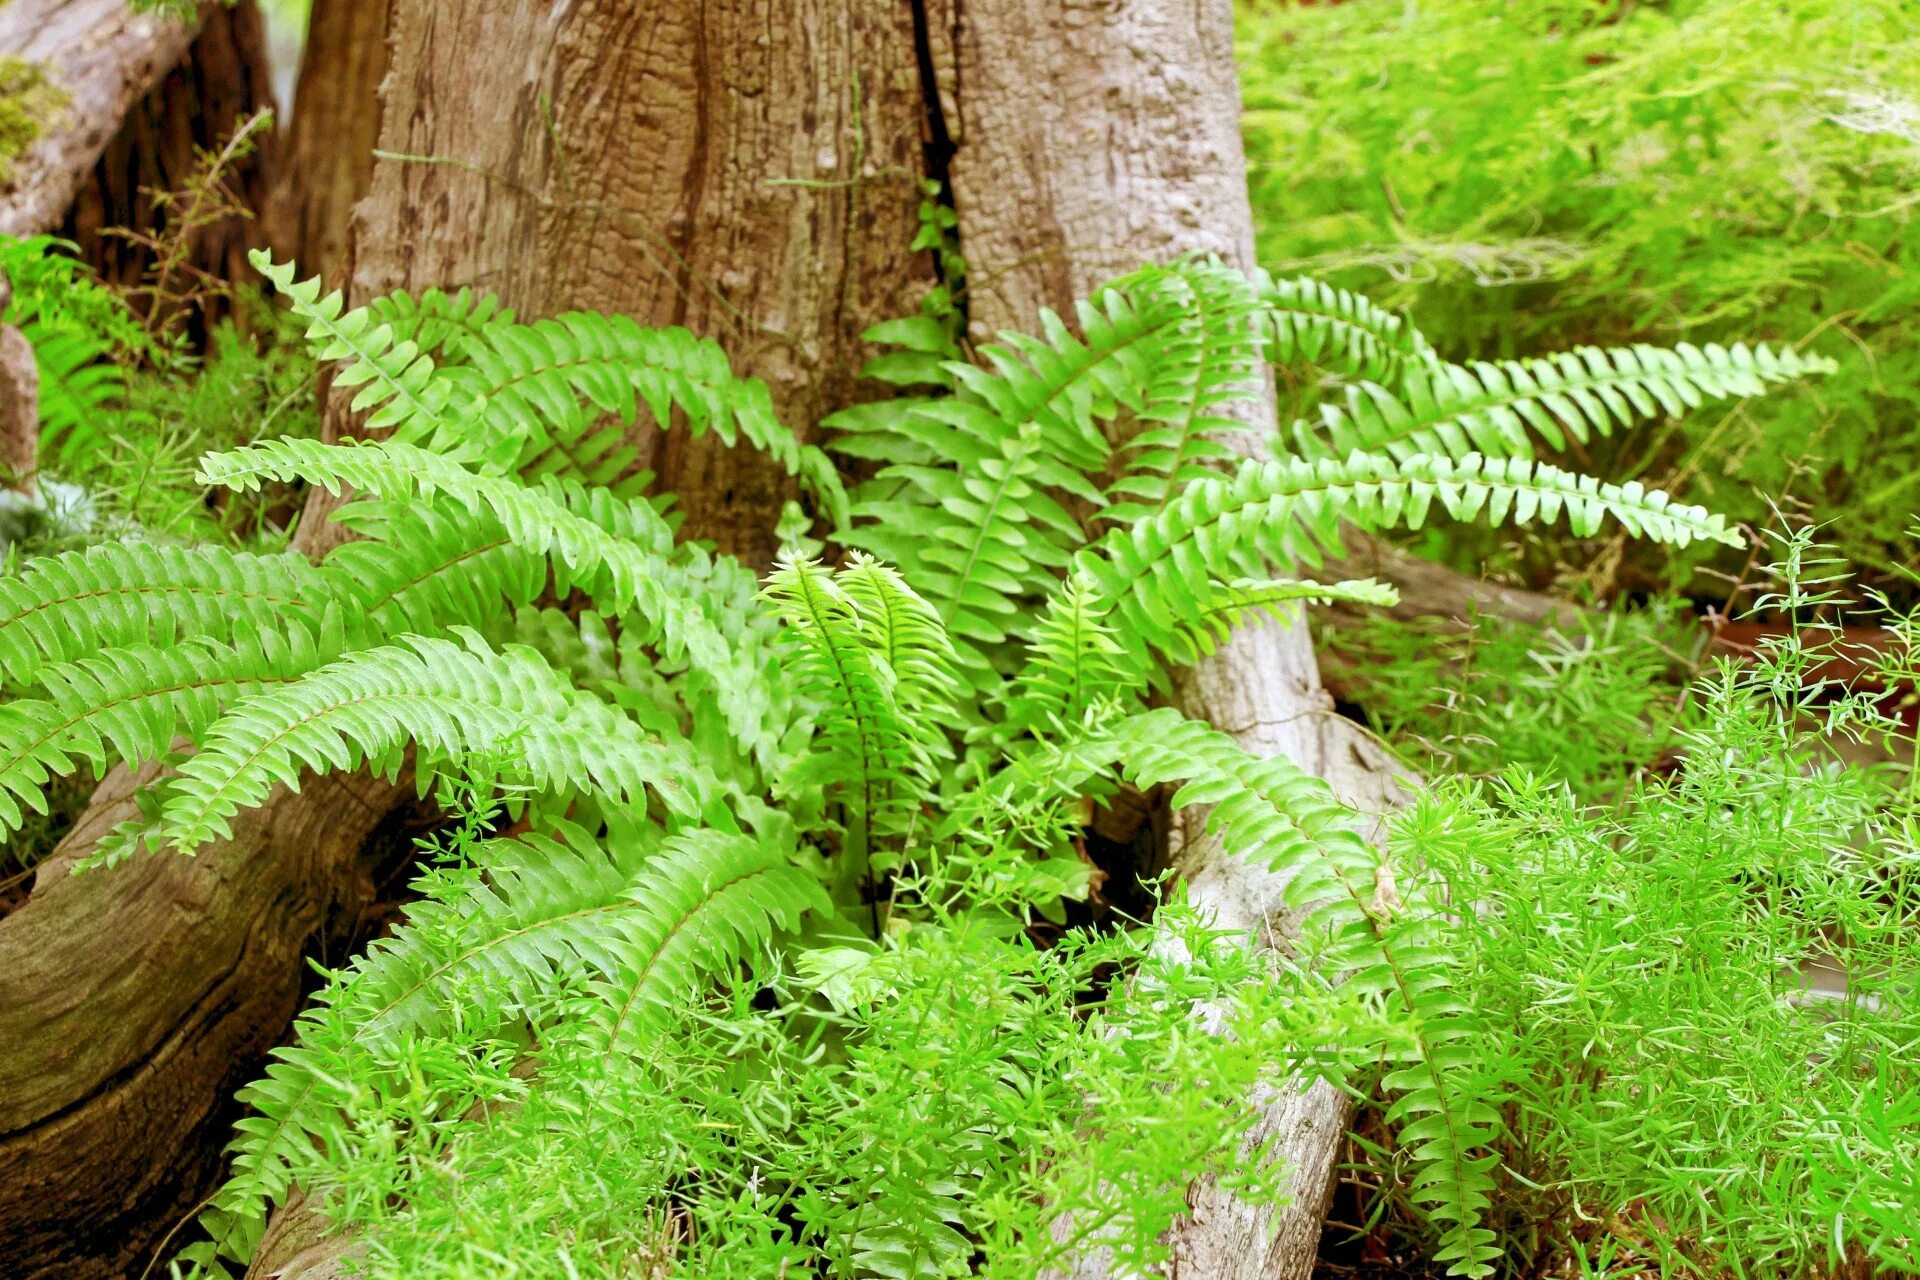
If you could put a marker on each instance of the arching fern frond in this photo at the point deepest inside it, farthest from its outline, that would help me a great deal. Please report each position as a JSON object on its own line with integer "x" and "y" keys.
{"x": 417, "y": 568}
{"x": 1285, "y": 512}
{"x": 1218, "y": 608}
{"x": 397, "y": 389}
{"x": 450, "y": 700}
{"x": 707, "y": 900}
{"x": 539, "y": 518}
{"x": 1269, "y": 808}
{"x": 79, "y": 603}
{"x": 1210, "y": 359}
{"x": 1494, "y": 408}
{"x": 131, "y": 704}
{"x": 1309, "y": 322}
{"x": 533, "y": 378}
{"x": 438, "y": 322}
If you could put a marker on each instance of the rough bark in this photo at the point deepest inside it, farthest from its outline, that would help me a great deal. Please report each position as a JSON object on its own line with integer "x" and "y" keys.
{"x": 1087, "y": 136}
{"x": 746, "y": 169}
{"x": 104, "y": 58}
{"x": 134, "y": 1002}
{"x": 19, "y": 402}
{"x": 325, "y": 156}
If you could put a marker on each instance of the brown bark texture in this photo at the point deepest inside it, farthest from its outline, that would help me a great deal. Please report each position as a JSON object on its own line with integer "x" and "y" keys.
{"x": 19, "y": 401}
{"x": 221, "y": 80}
{"x": 746, "y": 169}
{"x": 135, "y": 1000}
{"x": 324, "y": 158}
{"x": 104, "y": 58}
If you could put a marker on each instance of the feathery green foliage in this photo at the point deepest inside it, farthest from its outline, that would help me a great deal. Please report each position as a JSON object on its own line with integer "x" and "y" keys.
{"x": 775, "y": 818}
{"x": 1534, "y": 178}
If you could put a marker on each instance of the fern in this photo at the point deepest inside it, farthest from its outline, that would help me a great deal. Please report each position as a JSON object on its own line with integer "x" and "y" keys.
{"x": 708, "y": 900}
{"x": 923, "y": 733}
{"x": 868, "y": 752}
{"x": 79, "y": 603}
{"x": 131, "y": 706}
{"x": 1285, "y": 512}
{"x": 449, "y": 699}
{"x": 1272, "y": 809}
{"x": 1495, "y": 408}
{"x": 1310, "y": 322}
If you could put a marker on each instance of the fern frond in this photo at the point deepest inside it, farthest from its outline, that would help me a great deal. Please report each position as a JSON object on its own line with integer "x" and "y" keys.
{"x": 1310, "y": 322}
{"x": 417, "y": 568}
{"x": 130, "y": 704}
{"x": 865, "y": 747}
{"x": 450, "y": 699}
{"x": 1492, "y": 407}
{"x": 1269, "y": 808}
{"x": 1283, "y": 512}
{"x": 397, "y": 389}
{"x": 547, "y": 914}
{"x": 439, "y": 322}
{"x": 536, "y": 378}
{"x": 905, "y": 632}
{"x": 79, "y": 603}
{"x": 977, "y": 526}
{"x": 1219, "y": 608}
{"x": 79, "y": 384}
{"x": 1211, "y": 359}
{"x": 1073, "y": 662}
{"x": 707, "y": 900}
{"x": 539, "y": 518}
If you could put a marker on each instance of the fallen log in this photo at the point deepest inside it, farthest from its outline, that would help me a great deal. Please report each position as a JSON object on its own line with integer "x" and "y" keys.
{"x": 102, "y": 58}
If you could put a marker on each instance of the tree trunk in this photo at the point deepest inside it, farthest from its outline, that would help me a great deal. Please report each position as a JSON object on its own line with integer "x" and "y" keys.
{"x": 135, "y": 1001}
{"x": 748, "y": 168}
{"x": 196, "y": 106}
{"x": 1087, "y": 136}
{"x": 325, "y": 155}
{"x": 19, "y": 402}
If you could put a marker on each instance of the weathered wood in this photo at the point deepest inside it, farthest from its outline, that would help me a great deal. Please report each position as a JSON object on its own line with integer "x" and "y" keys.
{"x": 748, "y": 169}
{"x": 325, "y": 157}
{"x": 134, "y": 1001}
{"x": 19, "y": 401}
{"x": 1088, "y": 136}
{"x": 104, "y": 58}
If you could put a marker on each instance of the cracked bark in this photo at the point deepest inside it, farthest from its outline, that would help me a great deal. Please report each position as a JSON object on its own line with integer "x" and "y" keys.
{"x": 104, "y": 58}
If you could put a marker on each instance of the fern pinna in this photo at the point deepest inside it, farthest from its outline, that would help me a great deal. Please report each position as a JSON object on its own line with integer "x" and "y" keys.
{"x": 708, "y": 773}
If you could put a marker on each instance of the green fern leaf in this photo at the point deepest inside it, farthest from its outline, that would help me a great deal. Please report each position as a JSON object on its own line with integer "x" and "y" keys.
{"x": 450, "y": 699}
{"x": 1312, "y": 323}
{"x": 1495, "y": 408}
{"x": 79, "y": 603}
{"x": 708, "y": 900}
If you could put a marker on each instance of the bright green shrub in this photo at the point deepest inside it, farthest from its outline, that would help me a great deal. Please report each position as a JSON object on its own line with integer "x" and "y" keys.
{"x": 1525, "y": 178}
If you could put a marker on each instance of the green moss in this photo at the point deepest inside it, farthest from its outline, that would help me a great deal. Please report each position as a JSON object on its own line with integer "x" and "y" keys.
{"x": 28, "y": 101}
